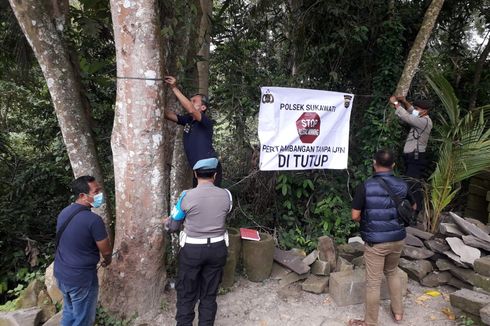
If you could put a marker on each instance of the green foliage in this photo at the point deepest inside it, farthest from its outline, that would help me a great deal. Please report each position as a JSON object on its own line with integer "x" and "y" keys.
{"x": 311, "y": 209}
{"x": 104, "y": 318}
{"x": 464, "y": 147}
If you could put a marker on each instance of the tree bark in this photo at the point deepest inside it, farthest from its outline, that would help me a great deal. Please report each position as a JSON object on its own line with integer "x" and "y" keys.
{"x": 418, "y": 47}
{"x": 135, "y": 281}
{"x": 477, "y": 76}
{"x": 42, "y": 23}
{"x": 204, "y": 42}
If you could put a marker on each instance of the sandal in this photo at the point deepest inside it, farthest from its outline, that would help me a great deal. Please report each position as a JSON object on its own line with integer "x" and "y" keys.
{"x": 357, "y": 322}
{"x": 397, "y": 318}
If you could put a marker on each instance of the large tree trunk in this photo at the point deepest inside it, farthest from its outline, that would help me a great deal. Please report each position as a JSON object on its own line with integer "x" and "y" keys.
{"x": 204, "y": 42}
{"x": 134, "y": 282}
{"x": 42, "y": 23}
{"x": 418, "y": 47}
{"x": 176, "y": 49}
{"x": 477, "y": 76}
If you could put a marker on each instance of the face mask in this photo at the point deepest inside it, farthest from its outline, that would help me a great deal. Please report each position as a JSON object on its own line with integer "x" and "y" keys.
{"x": 415, "y": 113}
{"x": 98, "y": 200}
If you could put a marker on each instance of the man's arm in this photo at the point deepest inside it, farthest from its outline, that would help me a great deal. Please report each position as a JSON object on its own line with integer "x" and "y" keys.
{"x": 169, "y": 115}
{"x": 406, "y": 104}
{"x": 105, "y": 248}
{"x": 184, "y": 101}
{"x": 358, "y": 202}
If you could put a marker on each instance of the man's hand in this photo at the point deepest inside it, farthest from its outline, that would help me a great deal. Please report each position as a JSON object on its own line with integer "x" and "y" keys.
{"x": 171, "y": 81}
{"x": 393, "y": 100}
{"x": 107, "y": 261}
{"x": 166, "y": 222}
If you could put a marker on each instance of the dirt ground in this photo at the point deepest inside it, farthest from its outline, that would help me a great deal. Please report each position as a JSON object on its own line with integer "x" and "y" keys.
{"x": 266, "y": 304}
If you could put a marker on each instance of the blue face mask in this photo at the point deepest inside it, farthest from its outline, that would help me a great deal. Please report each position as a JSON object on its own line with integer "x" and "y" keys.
{"x": 98, "y": 200}
{"x": 415, "y": 113}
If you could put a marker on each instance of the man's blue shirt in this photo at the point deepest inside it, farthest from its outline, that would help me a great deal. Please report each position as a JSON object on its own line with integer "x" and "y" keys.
{"x": 198, "y": 138}
{"x": 75, "y": 263}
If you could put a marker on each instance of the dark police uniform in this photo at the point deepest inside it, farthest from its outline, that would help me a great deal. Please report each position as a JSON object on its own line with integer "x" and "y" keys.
{"x": 203, "y": 251}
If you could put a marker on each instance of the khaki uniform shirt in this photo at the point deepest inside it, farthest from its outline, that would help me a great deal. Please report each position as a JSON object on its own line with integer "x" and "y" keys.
{"x": 206, "y": 207}
{"x": 419, "y": 133}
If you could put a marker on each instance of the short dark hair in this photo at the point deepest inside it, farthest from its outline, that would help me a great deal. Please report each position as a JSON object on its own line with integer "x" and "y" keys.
{"x": 384, "y": 158}
{"x": 204, "y": 99}
{"x": 423, "y": 104}
{"x": 80, "y": 185}
{"x": 205, "y": 173}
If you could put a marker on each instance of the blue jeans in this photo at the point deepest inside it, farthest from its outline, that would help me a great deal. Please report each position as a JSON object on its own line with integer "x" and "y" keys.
{"x": 79, "y": 304}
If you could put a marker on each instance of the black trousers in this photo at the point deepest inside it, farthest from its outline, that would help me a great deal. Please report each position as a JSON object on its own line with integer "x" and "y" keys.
{"x": 416, "y": 170}
{"x": 199, "y": 276}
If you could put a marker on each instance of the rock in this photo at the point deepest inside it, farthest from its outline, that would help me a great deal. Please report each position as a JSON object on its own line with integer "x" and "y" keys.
{"x": 416, "y": 269}
{"x": 473, "y": 241}
{"x": 349, "y": 287}
{"x": 444, "y": 265}
{"x": 53, "y": 290}
{"x": 292, "y": 277}
{"x": 416, "y": 253}
{"x": 483, "y": 227}
{"x": 469, "y": 301}
{"x": 23, "y": 317}
{"x": 326, "y": 251}
{"x": 412, "y": 240}
{"x": 355, "y": 239}
{"x": 315, "y": 284}
{"x": 419, "y": 233}
{"x": 464, "y": 274}
{"x": 278, "y": 271}
{"x": 470, "y": 228}
{"x": 456, "y": 259}
{"x": 48, "y": 308}
{"x": 291, "y": 261}
{"x": 485, "y": 314}
{"x": 343, "y": 265}
{"x": 311, "y": 258}
{"x": 320, "y": 267}
{"x": 482, "y": 282}
{"x": 55, "y": 320}
{"x": 436, "y": 279}
{"x": 458, "y": 284}
{"x": 290, "y": 293}
{"x": 358, "y": 262}
{"x": 28, "y": 297}
{"x": 482, "y": 266}
{"x": 350, "y": 251}
{"x": 437, "y": 245}
{"x": 466, "y": 253}
{"x": 450, "y": 230}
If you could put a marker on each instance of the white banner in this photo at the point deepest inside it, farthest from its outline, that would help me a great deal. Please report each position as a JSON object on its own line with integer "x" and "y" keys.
{"x": 301, "y": 129}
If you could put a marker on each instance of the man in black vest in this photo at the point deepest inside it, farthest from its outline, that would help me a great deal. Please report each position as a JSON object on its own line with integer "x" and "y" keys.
{"x": 383, "y": 235}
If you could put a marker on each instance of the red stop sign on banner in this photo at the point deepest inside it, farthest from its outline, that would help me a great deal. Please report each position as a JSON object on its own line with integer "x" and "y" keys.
{"x": 308, "y": 125}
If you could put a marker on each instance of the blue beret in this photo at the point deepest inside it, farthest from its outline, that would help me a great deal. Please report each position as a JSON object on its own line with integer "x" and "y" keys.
{"x": 206, "y": 164}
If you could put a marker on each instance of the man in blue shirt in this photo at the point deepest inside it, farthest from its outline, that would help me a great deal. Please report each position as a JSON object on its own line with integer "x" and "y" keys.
{"x": 198, "y": 128}
{"x": 82, "y": 238}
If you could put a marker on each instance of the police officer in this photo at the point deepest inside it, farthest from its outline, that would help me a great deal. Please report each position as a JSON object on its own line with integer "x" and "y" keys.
{"x": 203, "y": 244}
{"x": 416, "y": 115}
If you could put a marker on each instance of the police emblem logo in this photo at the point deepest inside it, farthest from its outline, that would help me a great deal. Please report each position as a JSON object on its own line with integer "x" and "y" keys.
{"x": 347, "y": 100}
{"x": 187, "y": 127}
{"x": 267, "y": 98}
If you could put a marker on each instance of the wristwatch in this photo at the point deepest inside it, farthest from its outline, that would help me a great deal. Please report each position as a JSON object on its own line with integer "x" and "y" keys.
{"x": 395, "y": 103}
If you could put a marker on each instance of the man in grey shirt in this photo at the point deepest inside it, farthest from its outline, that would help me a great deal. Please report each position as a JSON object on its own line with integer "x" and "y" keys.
{"x": 416, "y": 115}
{"x": 203, "y": 242}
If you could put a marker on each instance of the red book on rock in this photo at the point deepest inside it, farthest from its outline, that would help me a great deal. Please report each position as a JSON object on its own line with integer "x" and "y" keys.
{"x": 249, "y": 234}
